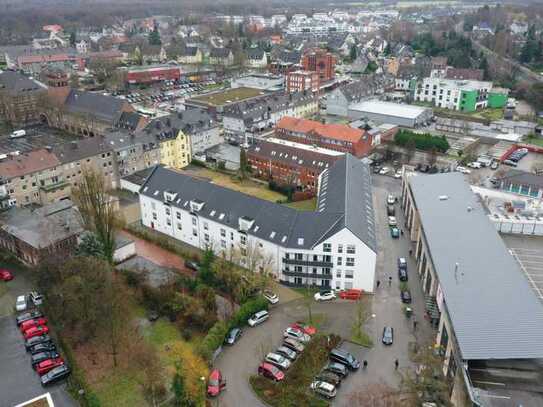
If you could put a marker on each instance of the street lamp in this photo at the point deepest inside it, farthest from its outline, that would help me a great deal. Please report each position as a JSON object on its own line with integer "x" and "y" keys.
{"x": 203, "y": 380}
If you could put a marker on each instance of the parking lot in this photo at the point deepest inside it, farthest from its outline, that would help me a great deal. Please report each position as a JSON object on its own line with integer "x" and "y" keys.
{"x": 239, "y": 362}
{"x": 18, "y": 381}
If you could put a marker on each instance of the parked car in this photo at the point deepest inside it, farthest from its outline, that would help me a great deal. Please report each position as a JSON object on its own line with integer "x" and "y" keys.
{"x": 258, "y": 318}
{"x": 494, "y": 165}
{"x": 391, "y": 210}
{"x": 36, "y": 298}
{"x": 394, "y": 232}
{"x": 352, "y": 294}
{"x": 49, "y": 364}
{"x": 286, "y": 352}
{"x": 463, "y": 170}
{"x": 192, "y": 265}
{"x": 35, "y": 331}
{"x": 329, "y": 377}
{"x": 32, "y": 322}
{"x": 398, "y": 174}
{"x": 271, "y": 297}
{"x": 29, "y": 343}
{"x": 40, "y": 357}
{"x": 510, "y": 163}
{"x": 376, "y": 169}
{"x": 280, "y": 361}
{"x": 307, "y": 329}
{"x": 293, "y": 344}
{"x": 20, "y": 303}
{"x": 325, "y": 295}
{"x": 392, "y": 221}
{"x": 43, "y": 347}
{"x": 402, "y": 263}
{"x": 54, "y": 375}
{"x": 402, "y": 274}
{"x": 233, "y": 335}
{"x": 215, "y": 383}
{"x": 475, "y": 165}
{"x": 345, "y": 358}
{"x": 5, "y": 275}
{"x": 405, "y": 295}
{"x": 391, "y": 199}
{"x": 296, "y": 334}
{"x": 384, "y": 170}
{"x": 270, "y": 371}
{"x": 388, "y": 335}
{"x": 337, "y": 368}
{"x": 28, "y": 315}
{"x": 324, "y": 389}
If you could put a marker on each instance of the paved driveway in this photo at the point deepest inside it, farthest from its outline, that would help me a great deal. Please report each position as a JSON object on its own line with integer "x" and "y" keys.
{"x": 18, "y": 382}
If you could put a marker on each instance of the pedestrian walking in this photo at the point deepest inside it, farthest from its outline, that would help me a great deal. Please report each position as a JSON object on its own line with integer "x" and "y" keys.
{"x": 401, "y": 232}
{"x": 415, "y": 322}
{"x": 378, "y": 283}
{"x": 396, "y": 364}
{"x": 410, "y": 252}
{"x": 389, "y": 281}
{"x": 365, "y": 364}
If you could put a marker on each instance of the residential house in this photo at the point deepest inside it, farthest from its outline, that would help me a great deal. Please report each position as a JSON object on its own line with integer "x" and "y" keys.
{"x": 190, "y": 55}
{"x": 256, "y": 58}
{"x": 20, "y": 98}
{"x": 36, "y": 235}
{"x": 332, "y": 248}
{"x": 337, "y": 137}
{"x": 221, "y": 56}
{"x": 320, "y": 61}
{"x": 339, "y": 100}
{"x": 302, "y": 81}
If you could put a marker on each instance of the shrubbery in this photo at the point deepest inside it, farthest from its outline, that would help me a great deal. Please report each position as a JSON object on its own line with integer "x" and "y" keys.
{"x": 425, "y": 142}
{"x": 213, "y": 339}
{"x": 246, "y": 310}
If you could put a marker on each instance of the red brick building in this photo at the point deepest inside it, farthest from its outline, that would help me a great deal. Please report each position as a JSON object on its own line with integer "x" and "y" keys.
{"x": 152, "y": 73}
{"x": 301, "y": 81}
{"x": 338, "y": 137}
{"x": 289, "y": 163}
{"x": 320, "y": 61}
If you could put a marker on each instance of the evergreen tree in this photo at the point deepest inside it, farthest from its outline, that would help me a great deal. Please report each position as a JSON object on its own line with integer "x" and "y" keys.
{"x": 206, "y": 267}
{"x": 72, "y": 39}
{"x": 243, "y": 164}
{"x": 353, "y": 52}
{"x": 178, "y": 388}
{"x": 484, "y": 66}
{"x": 154, "y": 37}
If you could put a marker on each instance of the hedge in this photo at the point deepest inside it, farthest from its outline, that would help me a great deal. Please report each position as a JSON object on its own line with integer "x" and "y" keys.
{"x": 422, "y": 141}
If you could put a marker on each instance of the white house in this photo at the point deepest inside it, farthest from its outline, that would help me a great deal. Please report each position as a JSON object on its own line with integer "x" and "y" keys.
{"x": 333, "y": 247}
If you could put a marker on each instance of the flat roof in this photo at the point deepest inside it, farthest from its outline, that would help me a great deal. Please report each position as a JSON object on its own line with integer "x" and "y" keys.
{"x": 305, "y": 147}
{"x": 389, "y": 109}
{"x": 494, "y": 312}
{"x": 229, "y": 96}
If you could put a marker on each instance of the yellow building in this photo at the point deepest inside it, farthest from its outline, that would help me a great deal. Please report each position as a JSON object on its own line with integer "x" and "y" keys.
{"x": 175, "y": 152}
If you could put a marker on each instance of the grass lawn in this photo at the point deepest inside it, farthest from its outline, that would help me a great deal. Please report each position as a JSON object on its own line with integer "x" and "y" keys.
{"x": 307, "y": 205}
{"x": 248, "y": 187}
{"x": 360, "y": 337}
{"x": 230, "y": 95}
{"x": 536, "y": 141}
{"x": 120, "y": 389}
{"x": 489, "y": 114}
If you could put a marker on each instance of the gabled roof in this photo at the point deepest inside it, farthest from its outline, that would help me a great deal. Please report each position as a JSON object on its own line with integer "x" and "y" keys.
{"x": 189, "y": 51}
{"x": 255, "y": 53}
{"x": 104, "y": 108}
{"x": 27, "y": 163}
{"x": 273, "y": 222}
{"x": 189, "y": 121}
{"x": 332, "y": 131}
{"x": 219, "y": 52}
{"x": 17, "y": 84}
{"x": 494, "y": 312}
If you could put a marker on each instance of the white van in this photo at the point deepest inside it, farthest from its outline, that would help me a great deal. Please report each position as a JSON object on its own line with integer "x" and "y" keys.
{"x": 17, "y": 134}
{"x": 258, "y": 318}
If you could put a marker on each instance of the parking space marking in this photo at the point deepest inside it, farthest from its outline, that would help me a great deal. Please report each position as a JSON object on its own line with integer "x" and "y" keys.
{"x": 532, "y": 267}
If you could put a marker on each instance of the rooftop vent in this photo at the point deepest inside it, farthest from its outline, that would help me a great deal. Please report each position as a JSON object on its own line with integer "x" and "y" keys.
{"x": 443, "y": 197}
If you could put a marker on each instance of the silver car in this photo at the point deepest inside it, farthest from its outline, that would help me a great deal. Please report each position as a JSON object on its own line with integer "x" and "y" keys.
{"x": 286, "y": 352}
{"x": 277, "y": 360}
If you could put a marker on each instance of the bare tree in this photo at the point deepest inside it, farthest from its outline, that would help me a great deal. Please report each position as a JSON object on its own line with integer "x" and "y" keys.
{"x": 376, "y": 395}
{"x": 98, "y": 210}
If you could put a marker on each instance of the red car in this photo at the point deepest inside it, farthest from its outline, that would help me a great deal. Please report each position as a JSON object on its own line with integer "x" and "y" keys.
{"x": 35, "y": 331}
{"x": 350, "y": 294}
{"x": 215, "y": 383}
{"x": 5, "y": 275}
{"x": 32, "y": 322}
{"x": 270, "y": 371}
{"x": 46, "y": 365}
{"x": 306, "y": 329}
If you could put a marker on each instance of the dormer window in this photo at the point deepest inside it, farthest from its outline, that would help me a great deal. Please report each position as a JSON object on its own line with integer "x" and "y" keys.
{"x": 196, "y": 205}
{"x": 169, "y": 196}
{"x": 245, "y": 223}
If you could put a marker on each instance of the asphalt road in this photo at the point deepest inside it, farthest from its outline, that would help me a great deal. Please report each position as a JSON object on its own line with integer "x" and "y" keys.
{"x": 18, "y": 381}
{"x": 239, "y": 362}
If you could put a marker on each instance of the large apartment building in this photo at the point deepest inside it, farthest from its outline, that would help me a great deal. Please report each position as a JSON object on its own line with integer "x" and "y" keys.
{"x": 333, "y": 247}
{"x": 20, "y": 98}
{"x": 338, "y": 137}
{"x": 488, "y": 317}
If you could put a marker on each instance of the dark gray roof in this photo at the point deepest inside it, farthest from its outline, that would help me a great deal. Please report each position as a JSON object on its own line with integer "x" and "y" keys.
{"x": 346, "y": 188}
{"x": 368, "y": 85}
{"x": 128, "y": 120}
{"x": 255, "y": 53}
{"x": 189, "y": 51}
{"x": 219, "y": 52}
{"x": 494, "y": 312}
{"x": 16, "y": 84}
{"x": 139, "y": 177}
{"x": 273, "y": 222}
{"x": 103, "y": 107}
{"x": 189, "y": 121}
{"x": 522, "y": 177}
{"x": 80, "y": 149}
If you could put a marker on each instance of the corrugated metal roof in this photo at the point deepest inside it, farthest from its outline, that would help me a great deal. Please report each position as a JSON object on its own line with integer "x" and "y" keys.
{"x": 494, "y": 312}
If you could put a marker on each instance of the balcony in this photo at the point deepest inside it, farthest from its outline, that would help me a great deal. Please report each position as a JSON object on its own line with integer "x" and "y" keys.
{"x": 307, "y": 275}
{"x": 309, "y": 263}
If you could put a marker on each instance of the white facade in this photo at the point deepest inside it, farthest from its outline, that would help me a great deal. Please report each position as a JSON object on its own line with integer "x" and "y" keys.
{"x": 202, "y": 140}
{"x": 446, "y": 93}
{"x": 341, "y": 262}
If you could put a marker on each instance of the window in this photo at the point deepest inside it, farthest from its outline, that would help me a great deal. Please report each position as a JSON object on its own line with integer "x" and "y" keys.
{"x": 223, "y": 233}
{"x": 243, "y": 239}
{"x": 338, "y": 273}
{"x": 348, "y": 285}
{"x": 154, "y": 216}
{"x": 168, "y": 211}
{"x": 298, "y": 269}
{"x": 169, "y": 222}
{"x": 206, "y": 237}
{"x": 298, "y": 256}
{"x": 231, "y": 235}
{"x": 339, "y": 261}
{"x": 327, "y": 259}
{"x": 179, "y": 226}
{"x": 153, "y": 205}
{"x": 194, "y": 221}
{"x": 349, "y": 262}
{"x": 223, "y": 244}
{"x": 194, "y": 232}
{"x": 327, "y": 247}
{"x": 206, "y": 226}
{"x": 350, "y": 249}
{"x": 340, "y": 248}
{"x": 348, "y": 274}
{"x": 243, "y": 251}
{"x": 338, "y": 285}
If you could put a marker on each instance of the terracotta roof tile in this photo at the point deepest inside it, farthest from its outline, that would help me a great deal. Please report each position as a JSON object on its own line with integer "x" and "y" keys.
{"x": 28, "y": 163}
{"x": 334, "y": 131}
